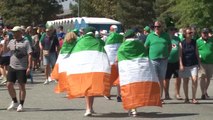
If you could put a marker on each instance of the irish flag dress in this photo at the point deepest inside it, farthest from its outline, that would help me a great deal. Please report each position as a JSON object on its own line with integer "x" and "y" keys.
{"x": 138, "y": 80}
{"x": 113, "y": 42}
{"x": 86, "y": 67}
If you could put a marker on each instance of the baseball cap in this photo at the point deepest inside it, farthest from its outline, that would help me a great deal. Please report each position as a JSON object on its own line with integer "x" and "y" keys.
{"x": 16, "y": 28}
{"x": 205, "y": 30}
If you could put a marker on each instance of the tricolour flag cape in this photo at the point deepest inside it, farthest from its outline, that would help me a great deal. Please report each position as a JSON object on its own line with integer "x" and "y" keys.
{"x": 113, "y": 42}
{"x": 138, "y": 80}
{"x": 59, "y": 72}
{"x": 87, "y": 69}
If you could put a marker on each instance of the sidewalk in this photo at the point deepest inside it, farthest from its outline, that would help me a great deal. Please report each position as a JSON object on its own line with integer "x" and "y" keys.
{"x": 43, "y": 104}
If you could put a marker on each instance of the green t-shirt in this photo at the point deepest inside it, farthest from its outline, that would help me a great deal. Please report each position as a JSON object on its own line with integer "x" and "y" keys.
{"x": 174, "y": 54}
{"x": 181, "y": 37}
{"x": 205, "y": 49}
{"x": 29, "y": 38}
{"x": 158, "y": 45}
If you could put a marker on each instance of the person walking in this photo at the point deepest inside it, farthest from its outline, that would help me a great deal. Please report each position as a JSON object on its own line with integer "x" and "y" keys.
{"x": 159, "y": 45}
{"x": 138, "y": 79}
{"x": 49, "y": 46}
{"x": 189, "y": 64}
{"x": 205, "y": 49}
{"x": 19, "y": 68}
{"x": 113, "y": 42}
{"x": 173, "y": 66}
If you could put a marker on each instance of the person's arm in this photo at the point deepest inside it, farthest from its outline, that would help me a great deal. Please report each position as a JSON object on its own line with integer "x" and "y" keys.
{"x": 180, "y": 57}
{"x": 197, "y": 55}
{"x": 29, "y": 52}
{"x": 5, "y": 47}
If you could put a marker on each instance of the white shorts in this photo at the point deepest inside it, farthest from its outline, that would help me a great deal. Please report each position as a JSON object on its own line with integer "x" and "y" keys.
{"x": 191, "y": 71}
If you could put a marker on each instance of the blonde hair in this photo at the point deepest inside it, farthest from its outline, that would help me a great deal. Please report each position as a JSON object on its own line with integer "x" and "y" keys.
{"x": 70, "y": 36}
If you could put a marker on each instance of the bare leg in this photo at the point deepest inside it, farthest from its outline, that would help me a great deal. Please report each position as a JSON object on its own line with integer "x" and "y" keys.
{"x": 161, "y": 88}
{"x": 22, "y": 92}
{"x": 194, "y": 86}
{"x": 166, "y": 88}
{"x": 202, "y": 85}
{"x": 118, "y": 90}
{"x": 89, "y": 102}
{"x": 185, "y": 87}
{"x": 11, "y": 90}
{"x": 177, "y": 87}
{"x": 207, "y": 85}
{"x": 47, "y": 71}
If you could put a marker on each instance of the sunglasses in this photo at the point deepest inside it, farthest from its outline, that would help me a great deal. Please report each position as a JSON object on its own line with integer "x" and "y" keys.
{"x": 157, "y": 26}
{"x": 189, "y": 33}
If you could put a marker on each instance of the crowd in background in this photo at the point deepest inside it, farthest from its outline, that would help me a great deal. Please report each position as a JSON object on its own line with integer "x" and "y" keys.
{"x": 183, "y": 54}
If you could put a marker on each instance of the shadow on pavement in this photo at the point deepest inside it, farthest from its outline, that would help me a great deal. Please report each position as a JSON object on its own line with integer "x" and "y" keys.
{"x": 49, "y": 110}
{"x": 146, "y": 115}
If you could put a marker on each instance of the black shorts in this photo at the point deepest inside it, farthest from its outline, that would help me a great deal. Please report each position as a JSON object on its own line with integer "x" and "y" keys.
{"x": 14, "y": 75}
{"x": 172, "y": 68}
{"x": 5, "y": 60}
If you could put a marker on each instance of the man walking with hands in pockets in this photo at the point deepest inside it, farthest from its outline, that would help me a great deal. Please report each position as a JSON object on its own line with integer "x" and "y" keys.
{"x": 19, "y": 68}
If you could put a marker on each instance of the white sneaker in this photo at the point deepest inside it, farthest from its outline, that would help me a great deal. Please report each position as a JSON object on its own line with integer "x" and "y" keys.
{"x": 12, "y": 106}
{"x": 52, "y": 80}
{"x": 132, "y": 113}
{"x": 46, "y": 82}
{"x": 20, "y": 108}
{"x": 88, "y": 113}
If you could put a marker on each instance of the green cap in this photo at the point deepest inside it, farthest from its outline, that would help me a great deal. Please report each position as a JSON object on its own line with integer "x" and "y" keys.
{"x": 89, "y": 30}
{"x": 147, "y": 29}
{"x": 76, "y": 31}
{"x": 129, "y": 33}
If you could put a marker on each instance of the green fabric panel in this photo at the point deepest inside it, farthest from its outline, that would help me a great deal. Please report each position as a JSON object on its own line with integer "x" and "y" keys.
{"x": 114, "y": 38}
{"x": 131, "y": 49}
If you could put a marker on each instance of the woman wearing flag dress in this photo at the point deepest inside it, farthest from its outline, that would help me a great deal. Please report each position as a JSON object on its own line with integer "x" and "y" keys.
{"x": 87, "y": 69}
{"x": 138, "y": 80}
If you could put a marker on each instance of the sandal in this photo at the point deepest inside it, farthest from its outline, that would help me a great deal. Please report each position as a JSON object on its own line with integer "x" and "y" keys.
{"x": 207, "y": 96}
{"x": 178, "y": 97}
{"x": 162, "y": 101}
{"x": 194, "y": 101}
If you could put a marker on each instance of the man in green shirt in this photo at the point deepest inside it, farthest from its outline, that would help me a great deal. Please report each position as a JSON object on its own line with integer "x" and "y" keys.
{"x": 159, "y": 45}
{"x": 205, "y": 49}
{"x": 173, "y": 66}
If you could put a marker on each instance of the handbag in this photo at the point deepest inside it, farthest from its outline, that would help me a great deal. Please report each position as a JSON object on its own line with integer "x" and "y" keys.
{"x": 46, "y": 52}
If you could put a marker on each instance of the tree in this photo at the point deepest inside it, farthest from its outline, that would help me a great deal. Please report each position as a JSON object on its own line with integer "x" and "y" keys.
{"x": 134, "y": 13}
{"x": 74, "y": 9}
{"x": 26, "y": 12}
{"x": 188, "y": 12}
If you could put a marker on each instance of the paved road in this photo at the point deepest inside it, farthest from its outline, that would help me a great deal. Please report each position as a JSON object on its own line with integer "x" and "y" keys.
{"x": 43, "y": 104}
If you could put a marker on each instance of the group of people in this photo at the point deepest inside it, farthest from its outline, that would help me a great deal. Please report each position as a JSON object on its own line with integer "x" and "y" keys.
{"x": 87, "y": 64}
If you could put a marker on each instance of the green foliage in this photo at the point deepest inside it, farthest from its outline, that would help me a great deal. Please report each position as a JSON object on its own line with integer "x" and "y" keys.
{"x": 135, "y": 12}
{"x": 27, "y": 12}
{"x": 186, "y": 12}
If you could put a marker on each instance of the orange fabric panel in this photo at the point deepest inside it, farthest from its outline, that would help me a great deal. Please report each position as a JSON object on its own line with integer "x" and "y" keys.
{"x": 62, "y": 85}
{"x": 88, "y": 84}
{"x": 140, "y": 94}
{"x": 55, "y": 73}
{"x": 114, "y": 77}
